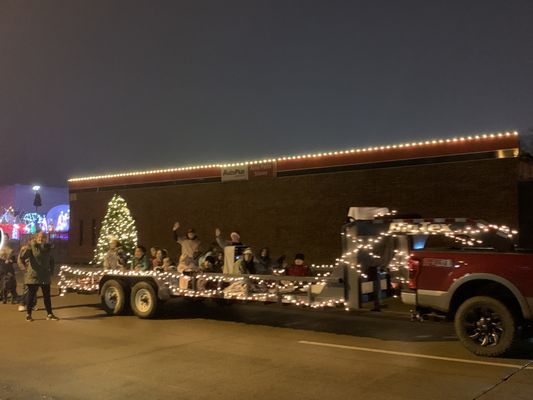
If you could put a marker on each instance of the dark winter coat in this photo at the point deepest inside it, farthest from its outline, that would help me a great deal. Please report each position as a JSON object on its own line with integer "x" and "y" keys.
{"x": 39, "y": 264}
{"x": 6, "y": 266}
{"x": 8, "y": 283}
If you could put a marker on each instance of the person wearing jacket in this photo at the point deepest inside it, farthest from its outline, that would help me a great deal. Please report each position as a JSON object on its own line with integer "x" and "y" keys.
{"x": 298, "y": 267}
{"x": 232, "y": 250}
{"x": 246, "y": 264}
{"x": 140, "y": 260}
{"x": 115, "y": 257}
{"x": 39, "y": 270}
{"x": 190, "y": 249}
{"x": 8, "y": 282}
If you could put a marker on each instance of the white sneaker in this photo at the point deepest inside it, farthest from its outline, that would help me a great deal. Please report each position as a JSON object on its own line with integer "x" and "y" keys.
{"x": 22, "y": 308}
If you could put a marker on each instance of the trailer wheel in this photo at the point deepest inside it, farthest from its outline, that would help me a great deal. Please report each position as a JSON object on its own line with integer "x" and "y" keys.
{"x": 144, "y": 300}
{"x": 113, "y": 297}
{"x": 485, "y": 326}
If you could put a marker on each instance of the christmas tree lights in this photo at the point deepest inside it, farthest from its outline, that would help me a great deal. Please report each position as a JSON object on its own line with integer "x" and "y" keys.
{"x": 118, "y": 224}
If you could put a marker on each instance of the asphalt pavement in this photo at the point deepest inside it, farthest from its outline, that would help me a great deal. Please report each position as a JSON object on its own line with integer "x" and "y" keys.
{"x": 204, "y": 350}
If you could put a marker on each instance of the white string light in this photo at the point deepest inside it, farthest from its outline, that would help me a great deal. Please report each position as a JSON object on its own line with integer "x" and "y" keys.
{"x": 217, "y": 166}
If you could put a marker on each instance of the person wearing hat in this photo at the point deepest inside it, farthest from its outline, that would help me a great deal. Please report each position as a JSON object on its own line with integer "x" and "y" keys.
{"x": 298, "y": 266}
{"x": 246, "y": 264}
{"x": 232, "y": 250}
{"x": 190, "y": 249}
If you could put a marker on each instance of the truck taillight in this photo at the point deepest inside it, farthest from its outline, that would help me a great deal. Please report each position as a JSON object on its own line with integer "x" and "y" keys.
{"x": 413, "y": 265}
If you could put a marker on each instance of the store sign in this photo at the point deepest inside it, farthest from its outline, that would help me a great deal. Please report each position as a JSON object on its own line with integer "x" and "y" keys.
{"x": 262, "y": 170}
{"x": 246, "y": 172}
{"x": 234, "y": 174}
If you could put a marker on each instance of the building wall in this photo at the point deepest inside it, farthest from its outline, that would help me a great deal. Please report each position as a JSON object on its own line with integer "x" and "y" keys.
{"x": 303, "y": 213}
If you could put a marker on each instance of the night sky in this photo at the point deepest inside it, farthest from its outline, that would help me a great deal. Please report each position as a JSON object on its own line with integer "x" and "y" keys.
{"x": 104, "y": 86}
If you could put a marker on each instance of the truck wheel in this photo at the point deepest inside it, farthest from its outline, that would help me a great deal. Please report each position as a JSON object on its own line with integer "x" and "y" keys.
{"x": 485, "y": 326}
{"x": 144, "y": 300}
{"x": 113, "y": 297}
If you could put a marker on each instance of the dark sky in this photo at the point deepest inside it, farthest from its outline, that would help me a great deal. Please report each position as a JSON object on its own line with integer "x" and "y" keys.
{"x": 104, "y": 86}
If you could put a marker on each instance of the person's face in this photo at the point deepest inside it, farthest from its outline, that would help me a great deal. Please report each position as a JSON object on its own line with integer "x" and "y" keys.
{"x": 220, "y": 256}
{"x": 247, "y": 257}
{"x": 190, "y": 235}
{"x": 40, "y": 238}
{"x": 153, "y": 251}
{"x": 113, "y": 244}
{"x": 298, "y": 262}
{"x": 166, "y": 262}
{"x": 138, "y": 253}
{"x": 264, "y": 253}
{"x": 159, "y": 254}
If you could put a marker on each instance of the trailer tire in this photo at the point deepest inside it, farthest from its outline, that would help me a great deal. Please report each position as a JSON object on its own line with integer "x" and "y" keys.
{"x": 144, "y": 301}
{"x": 485, "y": 326}
{"x": 113, "y": 297}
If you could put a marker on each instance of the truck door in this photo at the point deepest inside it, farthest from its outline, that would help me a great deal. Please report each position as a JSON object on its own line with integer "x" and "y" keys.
{"x": 436, "y": 263}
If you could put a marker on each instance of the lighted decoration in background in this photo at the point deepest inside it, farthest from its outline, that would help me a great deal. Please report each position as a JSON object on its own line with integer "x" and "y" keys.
{"x": 59, "y": 218}
{"x": 8, "y": 216}
{"x": 117, "y": 224}
{"x": 34, "y": 222}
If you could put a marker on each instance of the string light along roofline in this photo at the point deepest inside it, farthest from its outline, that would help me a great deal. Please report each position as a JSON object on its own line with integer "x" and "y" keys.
{"x": 407, "y": 145}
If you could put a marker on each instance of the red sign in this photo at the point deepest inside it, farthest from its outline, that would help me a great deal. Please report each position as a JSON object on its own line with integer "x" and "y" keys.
{"x": 262, "y": 170}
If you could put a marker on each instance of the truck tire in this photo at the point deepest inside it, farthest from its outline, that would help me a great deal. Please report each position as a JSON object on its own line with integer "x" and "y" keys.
{"x": 113, "y": 297}
{"x": 485, "y": 326}
{"x": 144, "y": 300}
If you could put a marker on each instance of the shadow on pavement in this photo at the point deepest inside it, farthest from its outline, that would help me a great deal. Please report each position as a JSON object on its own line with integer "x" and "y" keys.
{"x": 385, "y": 326}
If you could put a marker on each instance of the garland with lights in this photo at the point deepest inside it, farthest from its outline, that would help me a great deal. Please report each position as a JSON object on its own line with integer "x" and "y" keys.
{"x": 271, "y": 288}
{"x": 371, "y": 149}
{"x": 300, "y": 291}
{"x": 118, "y": 224}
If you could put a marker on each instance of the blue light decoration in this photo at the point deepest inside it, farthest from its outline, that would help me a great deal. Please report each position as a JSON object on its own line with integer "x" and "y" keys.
{"x": 58, "y": 218}
{"x": 34, "y": 222}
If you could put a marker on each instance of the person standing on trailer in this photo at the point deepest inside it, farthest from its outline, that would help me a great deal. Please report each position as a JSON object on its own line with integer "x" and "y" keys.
{"x": 233, "y": 249}
{"x": 190, "y": 252}
{"x": 190, "y": 249}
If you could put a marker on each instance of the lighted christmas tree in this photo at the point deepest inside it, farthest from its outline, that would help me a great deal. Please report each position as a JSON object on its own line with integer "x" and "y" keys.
{"x": 117, "y": 224}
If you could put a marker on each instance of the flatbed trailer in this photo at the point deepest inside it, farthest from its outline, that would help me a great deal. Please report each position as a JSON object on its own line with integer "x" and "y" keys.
{"x": 143, "y": 292}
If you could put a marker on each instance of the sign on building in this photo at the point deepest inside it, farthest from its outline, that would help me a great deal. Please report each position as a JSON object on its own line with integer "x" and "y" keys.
{"x": 262, "y": 170}
{"x": 234, "y": 174}
{"x": 249, "y": 172}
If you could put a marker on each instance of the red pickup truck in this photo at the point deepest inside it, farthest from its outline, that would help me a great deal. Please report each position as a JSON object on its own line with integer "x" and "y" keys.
{"x": 467, "y": 270}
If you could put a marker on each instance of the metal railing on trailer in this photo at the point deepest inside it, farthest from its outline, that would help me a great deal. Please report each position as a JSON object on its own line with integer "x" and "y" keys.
{"x": 314, "y": 291}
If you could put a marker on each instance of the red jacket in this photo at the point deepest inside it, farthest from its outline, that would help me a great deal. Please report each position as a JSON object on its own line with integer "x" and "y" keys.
{"x": 298, "y": 270}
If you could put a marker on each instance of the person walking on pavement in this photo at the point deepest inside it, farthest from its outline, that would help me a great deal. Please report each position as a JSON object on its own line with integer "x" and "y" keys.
{"x": 39, "y": 270}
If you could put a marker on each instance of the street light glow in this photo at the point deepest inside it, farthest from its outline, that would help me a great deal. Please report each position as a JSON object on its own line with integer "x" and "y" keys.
{"x": 36, "y": 188}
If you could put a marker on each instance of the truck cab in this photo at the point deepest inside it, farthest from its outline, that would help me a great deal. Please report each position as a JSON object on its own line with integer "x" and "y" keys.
{"x": 467, "y": 270}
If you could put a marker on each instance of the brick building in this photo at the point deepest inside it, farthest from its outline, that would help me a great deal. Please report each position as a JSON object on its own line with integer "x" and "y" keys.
{"x": 298, "y": 204}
